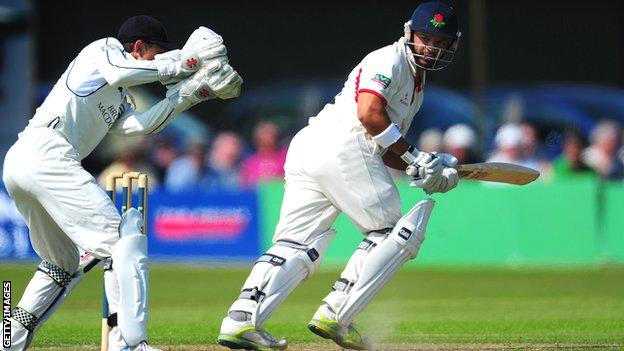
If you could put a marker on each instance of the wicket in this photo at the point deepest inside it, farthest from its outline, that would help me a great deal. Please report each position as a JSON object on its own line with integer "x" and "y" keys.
{"x": 126, "y": 203}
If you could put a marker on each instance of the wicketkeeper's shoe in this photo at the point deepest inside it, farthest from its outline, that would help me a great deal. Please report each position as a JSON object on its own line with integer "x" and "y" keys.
{"x": 324, "y": 324}
{"x": 142, "y": 346}
{"x": 243, "y": 335}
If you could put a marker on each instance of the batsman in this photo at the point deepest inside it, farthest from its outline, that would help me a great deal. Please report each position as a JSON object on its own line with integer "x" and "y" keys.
{"x": 338, "y": 164}
{"x": 64, "y": 207}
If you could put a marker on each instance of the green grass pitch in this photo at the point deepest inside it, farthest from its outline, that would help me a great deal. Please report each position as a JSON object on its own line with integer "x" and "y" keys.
{"x": 424, "y": 308}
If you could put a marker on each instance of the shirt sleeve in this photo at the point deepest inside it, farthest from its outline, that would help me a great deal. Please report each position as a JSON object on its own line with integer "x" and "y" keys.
{"x": 378, "y": 75}
{"x": 120, "y": 69}
{"x": 137, "y": 123}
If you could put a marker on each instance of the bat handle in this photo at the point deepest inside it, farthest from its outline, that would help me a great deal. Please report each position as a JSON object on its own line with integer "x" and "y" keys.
{"x": 411, "y": 170}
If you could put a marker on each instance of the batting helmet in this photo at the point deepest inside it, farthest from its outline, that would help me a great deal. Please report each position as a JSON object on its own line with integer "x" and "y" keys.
{"x": 435, "y": 18}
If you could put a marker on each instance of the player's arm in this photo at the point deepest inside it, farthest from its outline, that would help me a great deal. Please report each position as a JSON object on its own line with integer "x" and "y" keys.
{"x": 372, "y": 113}
{"x": 378, "y": 81}
{"x": 208, "y": 83}
{"x": 371, "y": 110}
{"x": 153, "y": 119}
{"x": 394, "y": 161}
{"x": 120, "y": 69}
{"x": 373, "y": 116}
{"x": 204, "y": 47}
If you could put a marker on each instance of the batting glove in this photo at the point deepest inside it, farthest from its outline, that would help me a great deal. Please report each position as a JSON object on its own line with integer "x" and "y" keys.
{"x": 446, "y": 182}
{"x": 448, "y": 160}
{"x": 424, "y": 168}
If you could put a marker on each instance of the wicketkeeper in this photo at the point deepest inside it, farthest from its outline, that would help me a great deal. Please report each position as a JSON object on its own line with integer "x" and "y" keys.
{"x": 65, "y": 209}
{"x": 338, "y": 164}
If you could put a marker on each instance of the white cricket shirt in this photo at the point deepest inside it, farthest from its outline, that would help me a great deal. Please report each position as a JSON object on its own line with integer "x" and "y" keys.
{"x": 90, "y": 98}
{"x": 385, "y": 73}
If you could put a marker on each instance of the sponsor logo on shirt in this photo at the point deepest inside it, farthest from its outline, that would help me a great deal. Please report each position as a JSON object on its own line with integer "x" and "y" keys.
{"x": 109, "y": 114}
{"x": 382, "y": 80}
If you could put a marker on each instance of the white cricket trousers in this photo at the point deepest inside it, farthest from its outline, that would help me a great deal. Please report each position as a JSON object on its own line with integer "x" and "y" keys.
{"x": 65, "y": 210}
{"x": 331, "y": 167}
{"x": 64, "y": 207}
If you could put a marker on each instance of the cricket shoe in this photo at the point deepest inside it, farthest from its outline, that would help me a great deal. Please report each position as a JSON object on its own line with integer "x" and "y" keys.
{"x": 324, "y": 324}
{"x": 244, "y": 335}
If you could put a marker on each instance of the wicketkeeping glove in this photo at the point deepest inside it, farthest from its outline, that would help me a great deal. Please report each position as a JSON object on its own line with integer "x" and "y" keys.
{"x": 201, "y": 47}
{"x": 224, "y": 81}
{"x": 190, "y": 91}
{"x": 217, "y": 79}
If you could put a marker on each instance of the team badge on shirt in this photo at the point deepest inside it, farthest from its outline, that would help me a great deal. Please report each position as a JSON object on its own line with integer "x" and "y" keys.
{"x": 382, "y": 80}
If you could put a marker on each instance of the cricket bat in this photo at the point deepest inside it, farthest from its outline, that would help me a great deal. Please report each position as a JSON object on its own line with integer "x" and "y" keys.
{"x": 493, "y": 172}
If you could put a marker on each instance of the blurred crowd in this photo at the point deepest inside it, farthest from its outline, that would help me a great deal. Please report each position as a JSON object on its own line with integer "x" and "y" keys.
{"x": 230, "y": 163}
{"x": 227, "y": 163}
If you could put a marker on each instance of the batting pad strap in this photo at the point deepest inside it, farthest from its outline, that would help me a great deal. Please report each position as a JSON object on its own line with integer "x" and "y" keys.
{"x": 343, "y": 285}
{"x": 108, "y": 264}
{"x": 366, "y": 245}
{"x": 388, "y": 137}
{"x": 252, "y": 294}
{"x": 311, "y": 252}
{"x": 24, "y": 318}
{"x": 61, "y": 277}
{"x": 381, "y": 231}
{"x": 112, "y": 320}
{"x": 272, "y": 259}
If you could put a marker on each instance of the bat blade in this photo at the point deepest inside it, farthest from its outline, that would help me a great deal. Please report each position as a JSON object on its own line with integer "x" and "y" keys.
{"x": 498, "y": 172}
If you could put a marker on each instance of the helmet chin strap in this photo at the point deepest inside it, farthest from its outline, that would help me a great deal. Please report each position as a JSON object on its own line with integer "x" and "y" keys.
{"x": 407, "y": 31}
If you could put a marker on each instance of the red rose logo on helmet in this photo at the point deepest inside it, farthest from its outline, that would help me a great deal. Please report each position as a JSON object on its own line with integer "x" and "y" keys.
{"x": 437, "y": 20}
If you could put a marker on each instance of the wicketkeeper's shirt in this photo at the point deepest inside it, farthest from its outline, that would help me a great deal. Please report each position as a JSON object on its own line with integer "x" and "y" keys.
{"x": 386, "y": 74}
{"x": 91, "y": 98}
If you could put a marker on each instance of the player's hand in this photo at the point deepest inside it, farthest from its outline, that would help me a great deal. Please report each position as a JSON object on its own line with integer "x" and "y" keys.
{"x": 216, "y": 80}
{"x": 200, "y": 49}
{"x": 448, "y": 160}
{"x": 448, "y": 180}
{"x": 190, "y": 91}
{"x": 426, "y": 169}
{"x": 202, "y": 46}
{"x": 223, "y": 80}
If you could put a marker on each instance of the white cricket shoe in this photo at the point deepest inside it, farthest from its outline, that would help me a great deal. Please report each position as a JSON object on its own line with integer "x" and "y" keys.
{"x": 324, "y": 324}
{"x": 142, "y": 346}
{"x": 244, "y": 335}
